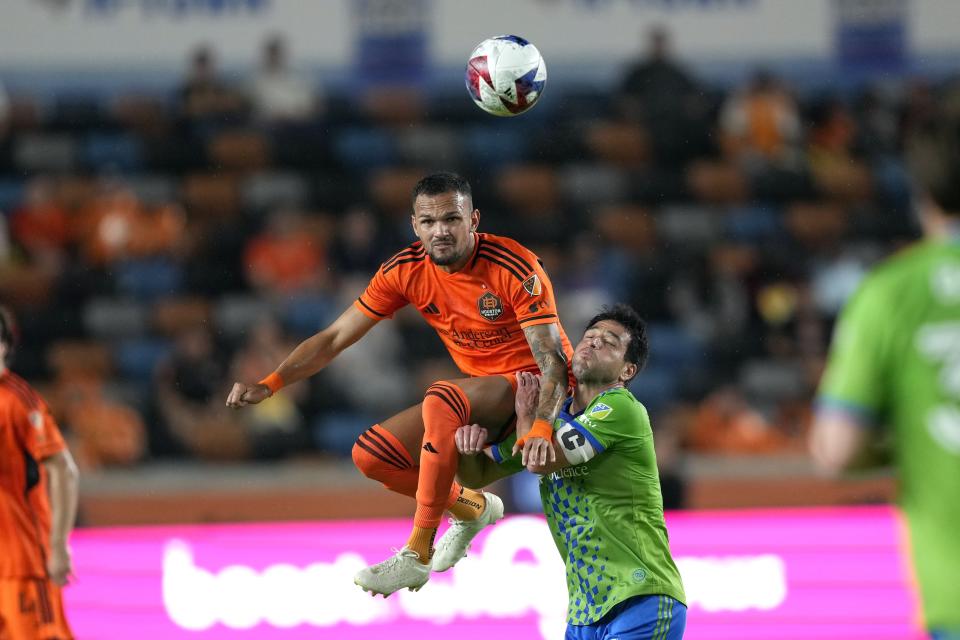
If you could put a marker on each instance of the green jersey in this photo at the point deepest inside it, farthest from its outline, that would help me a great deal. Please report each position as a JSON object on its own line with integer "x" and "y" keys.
{"x": 895, "y": 362}
{"x": 606, "y": 511}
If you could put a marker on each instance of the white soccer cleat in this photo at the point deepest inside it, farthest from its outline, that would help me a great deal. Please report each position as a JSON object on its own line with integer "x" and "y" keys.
{"x": 455, "y": 542}
{"x": 403, "y": 570}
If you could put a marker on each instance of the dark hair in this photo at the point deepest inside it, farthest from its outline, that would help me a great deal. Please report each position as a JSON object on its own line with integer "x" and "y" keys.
{"x": 8, "y": 332}
{"x": 638, "y": 348}
{"x": 934, "y": 155}
{"x": 443, "y": 182}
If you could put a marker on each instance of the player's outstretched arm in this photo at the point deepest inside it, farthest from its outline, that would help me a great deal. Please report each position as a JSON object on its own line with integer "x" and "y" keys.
{"x": 309, "y": 357}
{"x": 63, "y": 489}
{"x": 477, "y": 467}
{"x": 547, "y": 348}
{"x": 836, "y": 442}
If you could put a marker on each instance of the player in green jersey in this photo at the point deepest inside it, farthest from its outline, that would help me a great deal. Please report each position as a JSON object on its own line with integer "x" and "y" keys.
{"x": 600, "y": 489}
{"x": 895, "y": 364}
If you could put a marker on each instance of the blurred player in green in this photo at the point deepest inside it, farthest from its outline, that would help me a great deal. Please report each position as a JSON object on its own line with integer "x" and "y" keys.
{"x": 895, "y": 364}
{"x": 600, "y": 489}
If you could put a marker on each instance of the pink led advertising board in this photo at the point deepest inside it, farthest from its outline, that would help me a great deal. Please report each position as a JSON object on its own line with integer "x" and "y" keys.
{"x": 779, "y": 574}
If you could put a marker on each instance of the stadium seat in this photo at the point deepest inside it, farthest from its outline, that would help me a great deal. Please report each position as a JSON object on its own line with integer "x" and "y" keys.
{"x": 816, "y": 224}
{"x": 25, "y": 113}
{"x": 591, "y": 184}
{"x": 364, "y": 148}
{"x": 136, "y": 360}
{"x": 755, "y": 224}
{"x": 620, "y": 144}
{"x": 394, "y": 106}
{"x": 45, "y": 152}
{"x": 243, "y": 150}
{"x": 656, "y": 386}
{"x": 170, "y": 317}
{"x": 529, "y": 188}
{"x": 265, "y": 191}
{"x": 304, "y": 315}
{"x": 673, "y": 348}
{"x": 211, "y": 195}
{"x": 235, "y": 314}
{"x": 11, "y": 195}
{"x": 390, "y": 189}
{"x": 434, "y": 146}
{"x": 111, "y": 152}
{"x": 68, "y": 358}
{"x": 630, "y": 227}
{"x": 689, "y": 225}
{"x": 144, "y": 114}
{"x": 108, "y": 318}
{"x": 77, "y": 112}
{"x": 493, "y": 146}
{"x": 336, "y": 431}
{"x": 152, "y": 190}
{"x": 717, "y": 183}
{"x": 148, "y": 278}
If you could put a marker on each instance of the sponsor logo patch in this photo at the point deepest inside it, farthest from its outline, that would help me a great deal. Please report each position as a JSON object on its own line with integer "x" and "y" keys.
{"x": 489, "y": 306}
{"x": 600, "y": 411}
{"x": 532, "y": 285}
{"x": 36, "y": 420}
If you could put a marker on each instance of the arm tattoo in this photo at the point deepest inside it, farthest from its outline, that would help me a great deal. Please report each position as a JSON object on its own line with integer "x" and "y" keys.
{"x": 547, "y": 349}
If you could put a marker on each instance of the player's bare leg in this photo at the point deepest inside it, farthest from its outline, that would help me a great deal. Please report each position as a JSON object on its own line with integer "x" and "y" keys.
{"x": 446, "y": 407}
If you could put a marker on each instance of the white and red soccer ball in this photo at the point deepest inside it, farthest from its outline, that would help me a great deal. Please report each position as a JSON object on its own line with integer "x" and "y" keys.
{"x": 505, "y": 75}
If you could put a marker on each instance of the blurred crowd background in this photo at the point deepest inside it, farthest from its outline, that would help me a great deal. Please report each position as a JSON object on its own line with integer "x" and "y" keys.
{"x": 158, "y": 245}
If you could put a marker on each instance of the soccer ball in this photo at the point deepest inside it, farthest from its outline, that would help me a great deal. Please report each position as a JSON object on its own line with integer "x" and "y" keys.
{"x": 505, "y": 75}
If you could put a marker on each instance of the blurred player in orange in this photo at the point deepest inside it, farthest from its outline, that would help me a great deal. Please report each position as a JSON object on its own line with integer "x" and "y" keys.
{"x": 38, "y": 504}
{"x": 492, "y": 305}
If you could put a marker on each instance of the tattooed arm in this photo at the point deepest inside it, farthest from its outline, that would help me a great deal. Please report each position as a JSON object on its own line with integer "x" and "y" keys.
{"x": 547, "y": 349}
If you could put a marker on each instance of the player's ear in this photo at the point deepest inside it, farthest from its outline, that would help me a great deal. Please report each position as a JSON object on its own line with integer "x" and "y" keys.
{"x": 413, "y": 225}
{"x": 474, "y": 219}
{"x": 628, "y": 372}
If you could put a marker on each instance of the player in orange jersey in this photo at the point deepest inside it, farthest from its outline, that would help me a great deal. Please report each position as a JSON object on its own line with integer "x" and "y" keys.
{"x": 38, "y": 504}
{"x": 492, "y": 304}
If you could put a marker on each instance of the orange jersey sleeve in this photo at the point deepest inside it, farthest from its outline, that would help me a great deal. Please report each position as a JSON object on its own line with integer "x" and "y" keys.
{"x": 384, "y": 295}
{"x": 529, "y": 287}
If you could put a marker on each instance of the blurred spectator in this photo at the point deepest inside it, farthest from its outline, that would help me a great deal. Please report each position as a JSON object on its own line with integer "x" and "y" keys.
{"x": 41, "y": 225}
{"x": 760, "y": 125}
{"x": 658, "y": 92}
{"x": 285, "y": 257}
{"x": 727, "y": 423}
{"x": 277, "y": 93}
{"x": 188, "y": 388}
{"x": 204, "y": 94}
{"x": 275, "y": 427}
{"x": 358, "y": 247}
{"x": 837, "y": 172}
{"x": 656, "y": 85}
{"x": 105, "y": 432}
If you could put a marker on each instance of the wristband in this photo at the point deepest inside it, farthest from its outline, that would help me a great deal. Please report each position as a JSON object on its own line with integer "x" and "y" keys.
{"x": 273, "y": 382}
{"x": 540, "y": 429}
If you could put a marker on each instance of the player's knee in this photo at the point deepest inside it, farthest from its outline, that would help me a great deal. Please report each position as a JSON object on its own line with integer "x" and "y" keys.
{"x": 446, "y": 398}
{"x": 365, "y": 461}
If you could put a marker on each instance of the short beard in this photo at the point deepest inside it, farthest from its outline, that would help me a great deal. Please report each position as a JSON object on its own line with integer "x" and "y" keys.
{"x": 446, "y": 261}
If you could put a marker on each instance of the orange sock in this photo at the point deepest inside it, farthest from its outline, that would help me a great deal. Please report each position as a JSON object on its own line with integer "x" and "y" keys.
{"x": 421, "y": 541}
{"x": 468, "y": 505}
{"x": 380, "y": 456}
{"x": 445, "y": 409}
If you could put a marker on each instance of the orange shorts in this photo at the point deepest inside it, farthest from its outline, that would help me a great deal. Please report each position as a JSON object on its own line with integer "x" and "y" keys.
{"x": 32, "y": 609}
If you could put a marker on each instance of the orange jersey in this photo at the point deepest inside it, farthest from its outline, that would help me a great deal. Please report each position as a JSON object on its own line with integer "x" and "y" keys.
{"x": 480, "y": 311}
{"x": 28, "y": 435}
